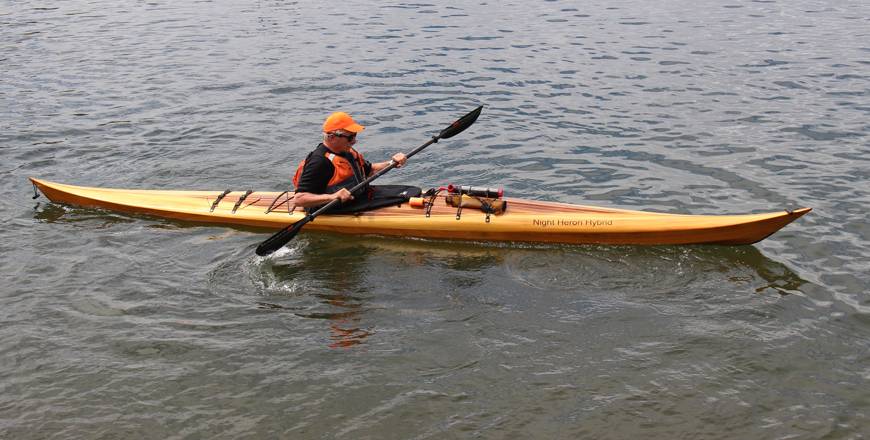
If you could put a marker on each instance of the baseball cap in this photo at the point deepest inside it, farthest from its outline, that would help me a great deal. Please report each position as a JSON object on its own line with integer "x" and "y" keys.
{"x": 341, "y": 121}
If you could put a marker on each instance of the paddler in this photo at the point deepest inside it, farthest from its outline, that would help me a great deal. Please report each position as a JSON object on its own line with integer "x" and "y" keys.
{"x": 335, "y": 166}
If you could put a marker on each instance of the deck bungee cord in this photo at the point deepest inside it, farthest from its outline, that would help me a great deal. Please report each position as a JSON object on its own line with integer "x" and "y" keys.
{"x": 273, "y": 205}
{"x": 242, "y": 199}
{"x": 218, "y": 199}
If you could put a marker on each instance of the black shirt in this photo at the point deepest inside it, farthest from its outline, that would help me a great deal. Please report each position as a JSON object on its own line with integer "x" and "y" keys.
{"x": 319, "y": 170}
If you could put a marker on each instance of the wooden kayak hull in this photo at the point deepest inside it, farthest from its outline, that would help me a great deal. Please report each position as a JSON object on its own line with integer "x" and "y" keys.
{"x": 524, "y": 220}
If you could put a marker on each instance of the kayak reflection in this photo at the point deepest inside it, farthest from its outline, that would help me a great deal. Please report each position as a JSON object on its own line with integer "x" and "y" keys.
{"x": 636, "y": 270}
{"x": 569, "y": 267}
{"x": 360, "y": 285}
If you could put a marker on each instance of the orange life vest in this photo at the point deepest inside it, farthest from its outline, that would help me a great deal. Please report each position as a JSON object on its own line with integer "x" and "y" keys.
{"x": 343, "y": 176}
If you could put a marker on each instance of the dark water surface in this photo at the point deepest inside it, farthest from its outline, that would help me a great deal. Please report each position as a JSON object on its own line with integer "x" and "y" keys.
{"x": 117, "y": 326}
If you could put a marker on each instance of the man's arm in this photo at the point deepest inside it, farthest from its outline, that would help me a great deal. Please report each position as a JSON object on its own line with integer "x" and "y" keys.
{"x": 310, "y": 200}
{"x": 398, "y": 158}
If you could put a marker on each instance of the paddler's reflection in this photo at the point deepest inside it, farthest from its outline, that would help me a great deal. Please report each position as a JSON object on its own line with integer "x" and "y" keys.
{"x": 334, "y": 269}
{"x": 345, "y": 320}
{"x": 338, "y": 270}
{"x": 345, "y": 326}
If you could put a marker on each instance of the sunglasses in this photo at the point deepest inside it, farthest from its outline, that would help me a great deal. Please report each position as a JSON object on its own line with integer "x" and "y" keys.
{"x": 350, "y": 137}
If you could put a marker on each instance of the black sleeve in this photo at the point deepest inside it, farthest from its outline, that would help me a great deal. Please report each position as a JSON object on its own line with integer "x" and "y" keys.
{"x": 367, "y": 168}
{"x": 315, "y": 175}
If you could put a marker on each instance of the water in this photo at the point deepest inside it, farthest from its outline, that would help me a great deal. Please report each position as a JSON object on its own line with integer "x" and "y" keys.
{"x": 128, "y": 326}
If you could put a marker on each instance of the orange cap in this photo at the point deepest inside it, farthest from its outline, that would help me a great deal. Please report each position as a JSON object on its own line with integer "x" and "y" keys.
{"x": 341, "y": 121}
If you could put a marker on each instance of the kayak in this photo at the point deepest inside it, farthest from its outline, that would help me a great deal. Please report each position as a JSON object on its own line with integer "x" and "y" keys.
{"x": 521, "y": 221}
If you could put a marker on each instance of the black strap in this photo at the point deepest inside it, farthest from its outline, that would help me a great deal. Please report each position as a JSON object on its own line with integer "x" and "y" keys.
{"x": 358, "y": 174}
{"x": 432, "y": 193}
{"x": 485, "y": 207}
{"x": 242, "y": 199}
{"x": 218, "y": 199}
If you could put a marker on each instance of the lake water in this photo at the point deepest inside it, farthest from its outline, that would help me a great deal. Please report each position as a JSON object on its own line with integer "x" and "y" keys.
{"x": 120, "y": 326}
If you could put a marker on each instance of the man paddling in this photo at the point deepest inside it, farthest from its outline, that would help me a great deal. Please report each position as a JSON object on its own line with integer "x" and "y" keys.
{"x": 282, "y": 237}
{"x": 335, "y": 166}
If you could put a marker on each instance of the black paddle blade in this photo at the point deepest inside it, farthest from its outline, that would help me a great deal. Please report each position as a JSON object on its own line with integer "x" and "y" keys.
{"x": 460, "y": 125}
{"x": 281, "y": 238}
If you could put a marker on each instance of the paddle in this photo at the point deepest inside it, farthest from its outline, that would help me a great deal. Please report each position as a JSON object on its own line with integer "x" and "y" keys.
{"x": 284, "y": 236}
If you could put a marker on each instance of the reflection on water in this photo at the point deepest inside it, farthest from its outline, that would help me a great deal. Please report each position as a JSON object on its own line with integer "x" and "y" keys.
{"x": 54, "y": 213}
{"x": 340, "y": 279}
{"x": 344, "y": 317}
{"x": 344, "y": 325}
{"x": 332, "y": 275}
{"x": 652, "y": 269}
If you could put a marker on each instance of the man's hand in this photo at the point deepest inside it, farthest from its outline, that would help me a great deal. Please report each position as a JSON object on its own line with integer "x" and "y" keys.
{"x": 399, "y": 159}
{"x": 343, "y": 195}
